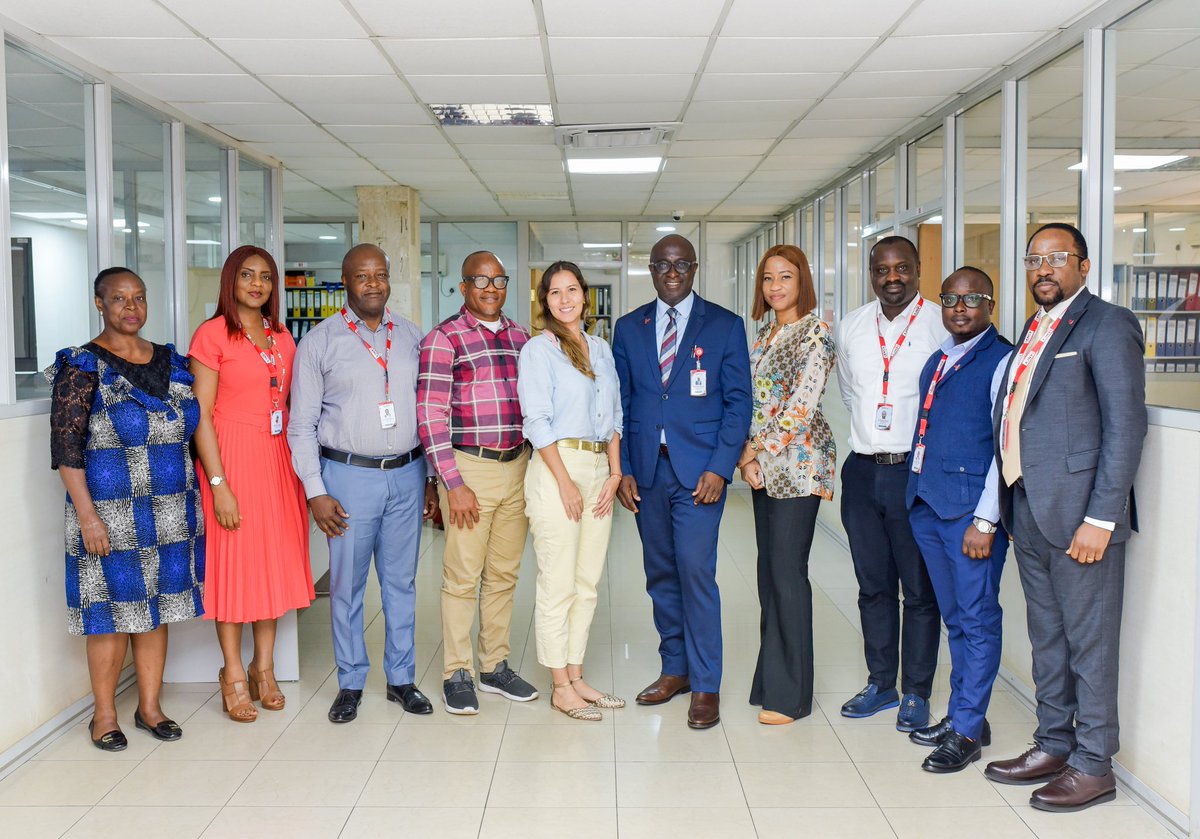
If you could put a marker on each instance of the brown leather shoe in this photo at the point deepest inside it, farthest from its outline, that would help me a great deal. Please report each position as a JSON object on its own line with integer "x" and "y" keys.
{"x": 705, "y": 710}
{"x": 663, "y": 688}
{"x": 1033, "y": 767}
{"x": 1073, "y": 790}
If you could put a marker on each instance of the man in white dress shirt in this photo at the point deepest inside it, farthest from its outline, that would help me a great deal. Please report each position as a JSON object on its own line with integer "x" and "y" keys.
{"x": 881, "y": 349}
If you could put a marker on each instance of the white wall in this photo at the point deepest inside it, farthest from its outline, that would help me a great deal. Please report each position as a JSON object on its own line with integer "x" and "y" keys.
{"x": 62, "y": 288}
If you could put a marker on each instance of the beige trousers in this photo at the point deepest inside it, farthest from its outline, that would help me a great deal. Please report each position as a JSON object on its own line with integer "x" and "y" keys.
{"x": 570, "y": 555}
{"x": 482, "y": 563}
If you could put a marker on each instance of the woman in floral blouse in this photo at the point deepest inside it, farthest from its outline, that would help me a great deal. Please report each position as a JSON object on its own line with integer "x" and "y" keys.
{"x": 789, "y": 463}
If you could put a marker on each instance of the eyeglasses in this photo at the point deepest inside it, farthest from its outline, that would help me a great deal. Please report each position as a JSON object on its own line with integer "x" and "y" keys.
{"x": 1055, "y": 260}
{"x": 481, "y": 282}
{"x": 971, "y": 301}
{"x": 681, "y": 266}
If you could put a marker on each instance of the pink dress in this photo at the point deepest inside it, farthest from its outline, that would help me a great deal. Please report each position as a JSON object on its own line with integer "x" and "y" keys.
{"x": 259, "y": 571}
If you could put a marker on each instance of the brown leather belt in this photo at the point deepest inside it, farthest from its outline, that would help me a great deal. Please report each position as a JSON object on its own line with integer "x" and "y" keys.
{"x": 502, "y": 455}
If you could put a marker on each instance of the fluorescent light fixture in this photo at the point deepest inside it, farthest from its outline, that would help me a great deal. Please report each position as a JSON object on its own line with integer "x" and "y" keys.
{"x": 639, "y": 272}
{"x": 127, "y": 230}
{"x": 328, "y": 238}
{"x": 933, "y": 220}
{"x": 1139, "y": 230}
{"x": 492, "y": 114}
{"x": 1137, "y": 162}
{"x": 613, "y": 165}
{"x": 82, "y": 222}
{"x": 1117, "y": 188}
{"x": 665, "y": 228}
{"x": 203, "y": 242}
{"x": 216, "y": 199}
{"x": 852, "y": 244}
{"x": 602, "y": 245}
{"x": 52, "y": 216}
{"x": 1147, "y": 254}
{"x": 1177, "y": 229}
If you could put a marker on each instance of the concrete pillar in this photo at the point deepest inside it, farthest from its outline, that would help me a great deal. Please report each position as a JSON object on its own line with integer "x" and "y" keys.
{"x": 389, "y": 216}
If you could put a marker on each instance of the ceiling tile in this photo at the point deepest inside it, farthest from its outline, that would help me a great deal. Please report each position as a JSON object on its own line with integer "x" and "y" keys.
{"x": 464, "y": 18}
{"x": 267, "y": 113}
{"x": 732, "y": 131}
{"x": 281, "y": 18}
{"x": 412, "y": 151}
{"x": 516, "y": 90}
{"x": 703, "y": 166}
{"x": 748, "y": 110}
{"x": 368, "y": 114}
{"x": 274, "y": 133}
{"x": 406, "y": 164}
{"x": 373, "y": 90}
{"x": 597, "y": 56}
{"x": 137, "y": 18}
{"x": 711, "y": 148}
{"x": 945, "y": 52}
{"x": 510, "y": 152}
{"x": 184, "y": 87}
{"x": 285, "y": 151}
{"x": 468, "y": 135}
{"x": 852, "y": 147}
{"x": 302, "y": 164}
{"x": 609, "y": 89}
{"x": 627, "y": 18}
{"x": 953, "y": 17}
{"x": 850, "y": 127}
{"x": 294, "y": 56}
{"x": 781, "y": 86}
{"x": 487, "y": 167}
{"x": 150, "y": 55}
{"x": 385, "y": 133}
{"x": 786, "y": 55}
{"x": 859, "y": 85}
{"x": 450, "y": 56}
{"x": 779, "y": 17}
{"x": 893, "y": 106}
{"x": 618, "y": 112}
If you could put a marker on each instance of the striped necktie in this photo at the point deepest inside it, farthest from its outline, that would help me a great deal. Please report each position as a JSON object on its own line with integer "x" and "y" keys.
{"x": 666, "y": 353}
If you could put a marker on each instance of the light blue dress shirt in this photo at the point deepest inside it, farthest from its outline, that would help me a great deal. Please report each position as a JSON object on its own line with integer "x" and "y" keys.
{"x": 684, "y": 309}
{"x": 988, "y": 507}
{"x": 558, "y": 402}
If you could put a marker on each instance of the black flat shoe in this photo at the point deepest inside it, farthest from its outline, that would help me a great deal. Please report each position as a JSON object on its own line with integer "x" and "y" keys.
{"x": 112, "y": 741}
{"x": 413, "y": 701}
{"x": 167, "y": 730}
{"x": 953, "y": 755}
{"x": 345, "y": 706}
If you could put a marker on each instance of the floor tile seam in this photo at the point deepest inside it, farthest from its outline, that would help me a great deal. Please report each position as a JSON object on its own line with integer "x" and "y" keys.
{"x": 741, "y": 783}
{"x": 82, "y": 816}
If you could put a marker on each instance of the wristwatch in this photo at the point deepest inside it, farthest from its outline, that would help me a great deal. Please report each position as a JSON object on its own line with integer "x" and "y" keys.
{"x": 216, "y": 480}
{"x": 983, "y": 525}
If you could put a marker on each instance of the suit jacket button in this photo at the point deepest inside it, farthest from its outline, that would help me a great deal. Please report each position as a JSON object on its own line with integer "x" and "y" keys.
{"x": 664, "y": 397}
{"x": 962, "y": 469}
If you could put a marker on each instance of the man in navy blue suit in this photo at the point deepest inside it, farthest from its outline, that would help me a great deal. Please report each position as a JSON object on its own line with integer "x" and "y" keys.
{"x": 685, "y": 392}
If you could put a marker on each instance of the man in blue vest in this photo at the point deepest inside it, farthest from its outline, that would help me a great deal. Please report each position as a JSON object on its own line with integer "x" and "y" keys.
{"x": 954, "y": 508}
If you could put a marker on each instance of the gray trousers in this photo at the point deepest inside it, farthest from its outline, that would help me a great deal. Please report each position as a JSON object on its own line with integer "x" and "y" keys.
{"x": 1074, "y": 617}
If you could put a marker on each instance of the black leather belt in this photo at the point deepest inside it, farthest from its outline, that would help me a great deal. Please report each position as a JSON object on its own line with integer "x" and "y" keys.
{"x": 884, "y": 458}
{"x": 371, "y": 462}
{"x": 502, "y": 455}
{"x": 662, "y": 450}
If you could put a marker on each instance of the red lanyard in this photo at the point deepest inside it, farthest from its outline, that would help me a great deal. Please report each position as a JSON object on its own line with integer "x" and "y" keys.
{"x": 271, "y": 359}
{"x": 925, "y": 408}
{"x": 382, "y": 360}
{"x": 887, "y": 357}
{"x": 1025, "y": 356}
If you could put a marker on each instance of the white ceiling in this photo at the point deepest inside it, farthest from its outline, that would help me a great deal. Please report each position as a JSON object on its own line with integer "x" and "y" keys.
{"x": 771, "y": 99}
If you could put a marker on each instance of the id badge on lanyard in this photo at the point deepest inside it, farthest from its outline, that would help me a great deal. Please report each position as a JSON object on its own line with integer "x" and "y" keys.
{"x": 699, "y": 376}
{"x": 884, "y": 410}
{"x": 387, "y": 408}
{"x": 276, "y": 371}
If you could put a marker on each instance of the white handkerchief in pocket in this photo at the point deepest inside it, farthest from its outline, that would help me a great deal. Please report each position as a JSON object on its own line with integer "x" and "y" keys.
{"x": 1066, "y": 354}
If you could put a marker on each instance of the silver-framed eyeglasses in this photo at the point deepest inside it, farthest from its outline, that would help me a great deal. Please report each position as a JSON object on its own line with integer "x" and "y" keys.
{"x": 481, "y": 282}
{"x": 1057, "y": 259}
{"x": 972, "y": 301}
{"x": 681, "y": 266}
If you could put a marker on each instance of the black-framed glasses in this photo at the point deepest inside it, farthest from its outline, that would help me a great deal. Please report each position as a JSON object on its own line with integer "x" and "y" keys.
{"x": 681, "y": 266}
{"x": 1057, "y": 259}
{"x": 971, "y": 301}
{"x": 481, "y": 282}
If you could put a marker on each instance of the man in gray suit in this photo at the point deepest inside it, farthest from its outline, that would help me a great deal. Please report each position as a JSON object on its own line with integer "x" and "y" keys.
{"x": 1069, "y": 433}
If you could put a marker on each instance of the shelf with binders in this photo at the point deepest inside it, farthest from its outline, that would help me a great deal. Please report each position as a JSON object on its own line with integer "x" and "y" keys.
{"x": 600, "y": 314}
{"x": 1166, "y": 301}
{"x": 307, "y": 302}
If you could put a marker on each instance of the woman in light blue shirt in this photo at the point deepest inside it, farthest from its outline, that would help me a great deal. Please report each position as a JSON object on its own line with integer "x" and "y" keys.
{"x": 571, "y": 403}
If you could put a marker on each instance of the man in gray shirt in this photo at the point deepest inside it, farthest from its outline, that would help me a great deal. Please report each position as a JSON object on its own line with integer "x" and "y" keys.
{"x": 354, "y": 445}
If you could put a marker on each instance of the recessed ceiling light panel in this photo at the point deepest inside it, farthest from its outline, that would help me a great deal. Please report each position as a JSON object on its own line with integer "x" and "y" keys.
{"x": 485, "y": 114}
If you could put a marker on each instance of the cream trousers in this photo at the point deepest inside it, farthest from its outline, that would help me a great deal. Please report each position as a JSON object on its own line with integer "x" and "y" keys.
{"x": 570, "y": 555}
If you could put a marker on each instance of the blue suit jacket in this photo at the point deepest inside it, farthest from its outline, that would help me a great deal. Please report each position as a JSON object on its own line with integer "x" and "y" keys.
{"x": 704, "y": 433}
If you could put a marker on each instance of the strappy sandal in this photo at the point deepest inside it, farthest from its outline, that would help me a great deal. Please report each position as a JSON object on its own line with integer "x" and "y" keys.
{"x": 585, "y": 714}
{"x": 236, "y": 696}
{"x": 264, "y": 688}
{"x": 604, "y": 700}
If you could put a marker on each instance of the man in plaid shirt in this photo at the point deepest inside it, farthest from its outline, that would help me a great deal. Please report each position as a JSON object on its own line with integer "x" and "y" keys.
{"x": 469, "y": 421}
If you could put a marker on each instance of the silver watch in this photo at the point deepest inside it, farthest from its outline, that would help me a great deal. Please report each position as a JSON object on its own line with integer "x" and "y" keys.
{"x": 216, "y": 480}
{"x": 983, "y": 525}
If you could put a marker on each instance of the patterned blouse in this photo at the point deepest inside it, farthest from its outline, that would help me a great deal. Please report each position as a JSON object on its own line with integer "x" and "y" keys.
{"x": 796, "y": 448}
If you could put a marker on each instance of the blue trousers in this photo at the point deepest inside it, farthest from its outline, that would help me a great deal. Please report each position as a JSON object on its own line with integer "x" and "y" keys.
{"x": 679, "y": 551}
{"x": 968, "y": 595}
{"x": 385, "y": 510}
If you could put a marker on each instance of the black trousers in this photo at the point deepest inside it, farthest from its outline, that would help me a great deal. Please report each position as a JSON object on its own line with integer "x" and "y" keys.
{"x": 886, "y": 559}
{"x": 783, "y": 677}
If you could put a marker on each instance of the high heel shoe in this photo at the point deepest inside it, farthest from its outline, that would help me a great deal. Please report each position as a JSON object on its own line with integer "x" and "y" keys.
{"x": 604, "y": 700}
{"x": 265, "y": 689}
{"x": 236, "y": 696}
{"x": 588, "y": 713}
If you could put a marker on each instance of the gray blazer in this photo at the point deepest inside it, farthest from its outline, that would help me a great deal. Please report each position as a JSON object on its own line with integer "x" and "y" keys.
{"x": 1083, "y": 424}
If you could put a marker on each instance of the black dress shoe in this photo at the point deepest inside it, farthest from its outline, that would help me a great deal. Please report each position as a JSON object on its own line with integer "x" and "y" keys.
{"x": 413, "y": 700}
{"x": 345, "y": 706}
{"x": 953, "y": 755}
{"x": 110, "y": 741}
{"x": 166, "y": 730}
{"x": 932, "y": 736}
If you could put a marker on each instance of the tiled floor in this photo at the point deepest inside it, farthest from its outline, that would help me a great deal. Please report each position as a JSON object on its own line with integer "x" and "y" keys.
{"x": 527, "y": 771}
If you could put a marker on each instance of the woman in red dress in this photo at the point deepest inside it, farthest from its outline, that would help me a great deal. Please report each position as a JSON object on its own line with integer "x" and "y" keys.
{"x": 254, "y": 508}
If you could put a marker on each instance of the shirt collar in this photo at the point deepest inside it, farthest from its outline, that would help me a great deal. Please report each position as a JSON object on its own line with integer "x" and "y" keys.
{"x": 1059, "y": 309}
{"x": 683, "y": 307}
{"x": 904, "y": 313}
{"x": 354, "y": 316}
{"x": 952, "y": 349}
{"x": 473, "y": 322}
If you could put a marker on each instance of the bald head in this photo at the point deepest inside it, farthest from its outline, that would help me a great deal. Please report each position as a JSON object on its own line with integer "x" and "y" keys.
{"x": 675, "y": 242}
{"x": 475, "y": 262}
{"x": 979, "y": 279}
{"x": 358, "y": 252}
{"x": 673, "y": 268}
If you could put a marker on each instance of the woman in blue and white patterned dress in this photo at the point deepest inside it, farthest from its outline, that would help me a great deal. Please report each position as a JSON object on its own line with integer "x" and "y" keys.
{"x": 121, "y": 421}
